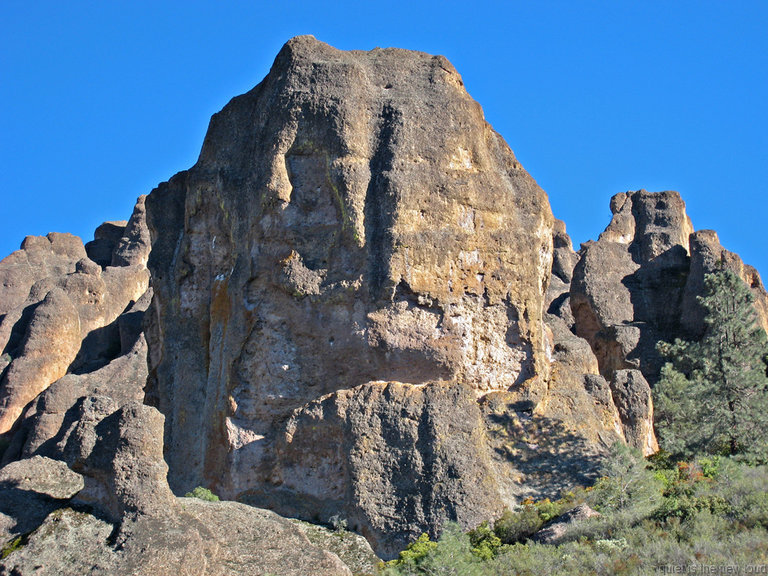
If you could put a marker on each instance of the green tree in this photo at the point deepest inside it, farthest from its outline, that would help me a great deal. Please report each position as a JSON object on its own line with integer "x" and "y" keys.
{"x": 626, "y": 485}
{"x": 713, "y": 394}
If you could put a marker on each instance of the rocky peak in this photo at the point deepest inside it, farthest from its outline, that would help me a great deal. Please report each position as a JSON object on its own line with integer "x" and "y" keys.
{"x": 56, "y": 293}
{"x": 361, "y": 308}
{"x": 355, "y": 242}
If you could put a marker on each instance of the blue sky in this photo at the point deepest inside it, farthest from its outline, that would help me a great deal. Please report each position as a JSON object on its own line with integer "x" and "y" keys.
{"x": 101, "y": 101}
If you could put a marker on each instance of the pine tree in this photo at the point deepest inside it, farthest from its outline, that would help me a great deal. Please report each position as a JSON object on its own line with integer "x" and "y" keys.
{"x": 713, "y": 394}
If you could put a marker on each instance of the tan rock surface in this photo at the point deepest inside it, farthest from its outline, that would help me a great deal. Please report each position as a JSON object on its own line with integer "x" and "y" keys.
{"x": 139, "y": 527}
{"x": 67, "y": 319}
{"x": 336, "y": 231}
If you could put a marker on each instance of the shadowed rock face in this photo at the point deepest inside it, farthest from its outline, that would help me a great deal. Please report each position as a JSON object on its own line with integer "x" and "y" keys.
{"x": 361, "y": 307}
{"x": 351, "y": 219}
{"x": 639, "y": 282}
{"x": 132, "y": 523}
{"x": 628, "y": 286}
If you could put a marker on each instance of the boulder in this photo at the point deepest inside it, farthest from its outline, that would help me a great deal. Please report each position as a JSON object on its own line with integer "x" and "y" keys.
{"x": 627, "y": 287}
{"x": 31, "y": 489}
{"x": 105, "y": 239}
{"x": 632, "y": 396}
{"x": 556, "y": 531}
{"x": 121, "y": 457}
{"x": 223, "y": 538}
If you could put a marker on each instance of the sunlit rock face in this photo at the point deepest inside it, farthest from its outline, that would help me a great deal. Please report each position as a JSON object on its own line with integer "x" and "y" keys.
{"x": 59, "y": 309}
{"x": 638, "y": 284}
{"x": 352, "y": 219}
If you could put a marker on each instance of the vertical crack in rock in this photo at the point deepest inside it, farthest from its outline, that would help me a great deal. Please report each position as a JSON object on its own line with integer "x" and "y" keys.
{"x": 380, "y": 202}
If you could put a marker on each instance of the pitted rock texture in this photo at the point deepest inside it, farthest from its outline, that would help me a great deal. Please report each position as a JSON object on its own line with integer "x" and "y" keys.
{"x": 131, "y": 522}
{"x": 628, "y": 286}
{"x": 639, "y": 282}
{"x": 632, "y": 396}
{"x": 577, "y": 396}
{"x": 30, "y": 490}
{"x": 362, "y": 307}
{"x": 352, "y": 219}
{"x": 221, "y": 538}
{"x": 707, "y": 256}
{"x": 55, "y": 294}
{"x": 47, "y": 421}
{"x": 412, "y": 454}
{"x": 118, "y": 515}
{"x": 637, "y": 285}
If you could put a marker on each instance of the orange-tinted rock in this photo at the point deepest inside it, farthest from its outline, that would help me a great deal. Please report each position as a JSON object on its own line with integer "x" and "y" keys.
{"x": 67, "y": 318}
{"x": 351, "y": 220}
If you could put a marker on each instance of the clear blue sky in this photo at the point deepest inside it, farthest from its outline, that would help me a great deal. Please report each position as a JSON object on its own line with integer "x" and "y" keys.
{"x": 103, "y": 100}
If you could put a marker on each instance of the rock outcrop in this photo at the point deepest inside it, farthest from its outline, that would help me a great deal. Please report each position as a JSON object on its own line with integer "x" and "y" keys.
{"x": 361, "y": 308}
{"x": 132, "y": 523}
{"x": 68, "y": 299}
{"x": 341, "y": 262}
{"x": 638, "y": 284}
{"x": 557, "y": 531}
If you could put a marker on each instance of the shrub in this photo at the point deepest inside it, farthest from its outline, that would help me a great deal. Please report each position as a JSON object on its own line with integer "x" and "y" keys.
{"x": 202, "y": 494}
{"x": 485, "y": 543}
{"x": 518, "y": 526}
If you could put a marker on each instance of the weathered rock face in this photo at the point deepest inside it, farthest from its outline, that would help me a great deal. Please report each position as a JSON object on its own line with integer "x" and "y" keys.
{"x": 47, "y": 422}
{"x": 361, "y": 307}
{"x": 639, "y": 284}
{"x": 627, "y": 287}
{"x": 30, "y": 490}
{"x": 707, "y": 256}
{"x": 386, "y": 457}
{"x": 352, "y": 219}
{"x": 67, "y": 299}
{"x": 136, "y": 525}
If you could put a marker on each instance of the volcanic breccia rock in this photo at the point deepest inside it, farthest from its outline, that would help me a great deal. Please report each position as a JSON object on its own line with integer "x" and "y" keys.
{"x": 354, "y": 248}
{"x": 361, "y": 306}
{"x": 53, "y": 293}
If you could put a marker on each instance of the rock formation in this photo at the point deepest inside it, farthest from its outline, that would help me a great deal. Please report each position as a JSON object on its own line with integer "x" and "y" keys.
{"x": 133, "y": 524}
{"x": 55, "y": 293}
{"x": 341, "y": 271}
{"x": 361, "y": 307}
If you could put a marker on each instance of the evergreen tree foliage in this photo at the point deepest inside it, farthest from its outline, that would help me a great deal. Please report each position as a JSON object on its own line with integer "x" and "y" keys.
{"x": 713, "y": 394}
{"x": 626, "y": 483}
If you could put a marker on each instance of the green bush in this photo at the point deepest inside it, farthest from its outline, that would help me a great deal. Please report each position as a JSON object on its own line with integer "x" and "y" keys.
{"x": 414, "y": 553}
{"x": 519, "y": 525}
{"x": 202, "y": 494}
{"x": 485, "y": 543}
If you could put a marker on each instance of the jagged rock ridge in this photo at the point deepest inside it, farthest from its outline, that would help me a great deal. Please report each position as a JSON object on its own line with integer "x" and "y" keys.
{"x": 361, "y": 306}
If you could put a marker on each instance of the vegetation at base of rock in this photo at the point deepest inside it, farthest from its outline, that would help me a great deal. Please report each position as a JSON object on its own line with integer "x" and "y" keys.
{"x": 11, "y": 546}
{"x": 202, "y": 494}
{"x": 700, "y": 501}
{"x": 706, "y": 511}
{"x": 713, "y": 393}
